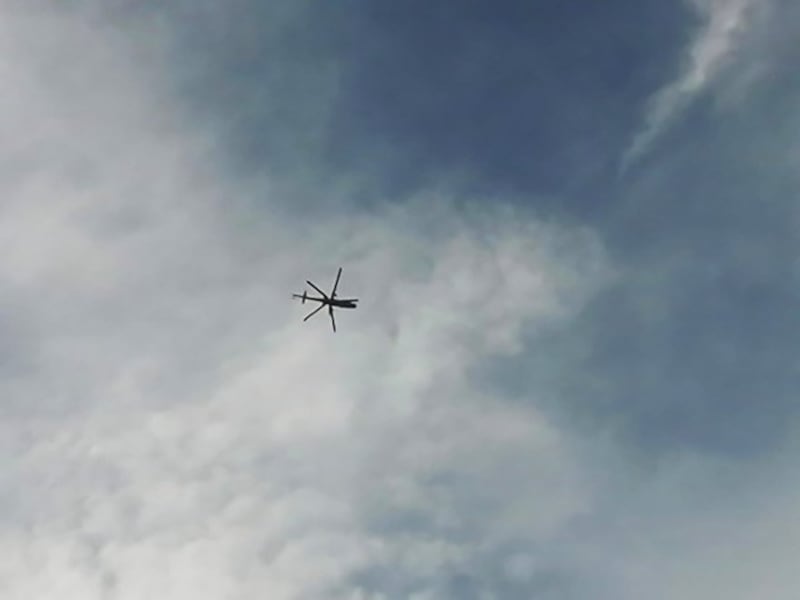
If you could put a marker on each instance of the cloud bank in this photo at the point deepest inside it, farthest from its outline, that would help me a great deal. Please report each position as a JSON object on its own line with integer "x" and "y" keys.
{"x": 171, "y": 428}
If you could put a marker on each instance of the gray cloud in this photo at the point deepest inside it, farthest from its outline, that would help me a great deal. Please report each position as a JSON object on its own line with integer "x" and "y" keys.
{"x": 178, "y": 431}
{"x": 171, "y": 428}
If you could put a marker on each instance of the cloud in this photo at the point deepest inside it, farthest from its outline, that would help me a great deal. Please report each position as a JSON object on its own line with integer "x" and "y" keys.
{"x": 708, "y": 53}
{"x": 173, "y": 429}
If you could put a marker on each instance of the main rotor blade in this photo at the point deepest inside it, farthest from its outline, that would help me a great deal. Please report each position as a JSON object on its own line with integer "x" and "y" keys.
{"x": 335, "y": 285}
{"x": 316, "y": 288}
{"x": 333, "y": 321}
{"x": 313, "y": 312}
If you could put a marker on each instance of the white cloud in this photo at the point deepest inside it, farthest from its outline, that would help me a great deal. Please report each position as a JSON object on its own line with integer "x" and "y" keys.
{"x": 172, "y": 428}
{"x": 707, "y": 55}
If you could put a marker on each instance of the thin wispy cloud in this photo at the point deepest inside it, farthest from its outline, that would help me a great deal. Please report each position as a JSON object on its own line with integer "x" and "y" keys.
{"x": 706, "y": 57}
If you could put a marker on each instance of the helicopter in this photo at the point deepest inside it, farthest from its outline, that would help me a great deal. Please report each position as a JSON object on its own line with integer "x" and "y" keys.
{"x": 331, "y": 301}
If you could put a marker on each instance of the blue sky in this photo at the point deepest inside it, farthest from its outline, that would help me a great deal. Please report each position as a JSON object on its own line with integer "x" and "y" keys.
{"x": 573, "y": 231}
{"x": 436, "y": 91}
{"x": 539, "y": 104}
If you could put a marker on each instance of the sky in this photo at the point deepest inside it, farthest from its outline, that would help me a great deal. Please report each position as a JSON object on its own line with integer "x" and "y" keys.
{"x": 573, "y": 233}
